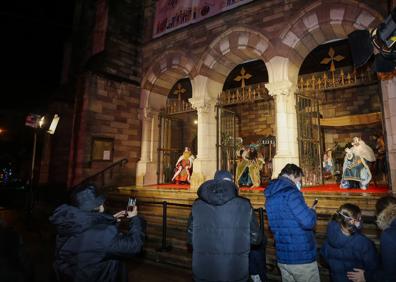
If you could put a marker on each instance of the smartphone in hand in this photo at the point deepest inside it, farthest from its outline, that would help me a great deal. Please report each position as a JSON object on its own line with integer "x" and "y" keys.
{"x": 315, "y": 202}
{"x": 131, "y": 204}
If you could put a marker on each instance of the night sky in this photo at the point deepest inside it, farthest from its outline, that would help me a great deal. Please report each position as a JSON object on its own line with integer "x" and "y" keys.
{"x": 31, "y": 55}
{"x": 33, "y": 35}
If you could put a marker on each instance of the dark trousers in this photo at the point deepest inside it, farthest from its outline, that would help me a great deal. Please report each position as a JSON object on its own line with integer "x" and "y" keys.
{"x": 257, "y": 262}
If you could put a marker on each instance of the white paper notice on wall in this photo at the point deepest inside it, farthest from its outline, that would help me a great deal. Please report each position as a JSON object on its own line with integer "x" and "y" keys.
{"x": 106, "y": 155}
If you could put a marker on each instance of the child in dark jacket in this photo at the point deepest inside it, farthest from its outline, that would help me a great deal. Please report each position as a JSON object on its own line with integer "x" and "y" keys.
{"x": 386, "y": 221}
{"x": 346, "y": 248}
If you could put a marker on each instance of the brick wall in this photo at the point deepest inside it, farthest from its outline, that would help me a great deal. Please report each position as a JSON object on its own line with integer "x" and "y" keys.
{"x": 255, "y": 119}
{"x": 107, "y": 92}
{"x": 185, "y": 133}
{"x": 350, "y": 101}
{"x": 56, "y": 148}
{"x": 109, "y": 110}
{"x": 124, "y": 38}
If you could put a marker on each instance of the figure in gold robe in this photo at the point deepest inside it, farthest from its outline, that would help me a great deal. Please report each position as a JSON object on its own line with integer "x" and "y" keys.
{"x": 248, "y": 168}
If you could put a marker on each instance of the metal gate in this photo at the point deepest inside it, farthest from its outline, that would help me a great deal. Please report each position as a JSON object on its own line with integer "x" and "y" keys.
{"x": 309, "y": 136}
{"x": 226, "y": 139}
{"x": 170, "y": 146}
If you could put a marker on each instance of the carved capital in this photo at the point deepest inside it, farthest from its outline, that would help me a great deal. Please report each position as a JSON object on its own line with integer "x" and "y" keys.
{"x": 202, "y": 105}
{"x": 147, "y": 113}
{"x": 283, "y": 87}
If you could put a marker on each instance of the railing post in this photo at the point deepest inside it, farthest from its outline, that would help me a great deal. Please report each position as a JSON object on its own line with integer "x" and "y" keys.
{"x": 164, "y": 246}
{"x": 261, "y": 218}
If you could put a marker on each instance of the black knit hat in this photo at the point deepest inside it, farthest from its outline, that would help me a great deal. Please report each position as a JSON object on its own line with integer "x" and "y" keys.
{"x": 85, "y": 197}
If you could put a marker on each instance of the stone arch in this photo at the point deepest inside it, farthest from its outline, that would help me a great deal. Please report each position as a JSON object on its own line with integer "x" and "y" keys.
{"x": 233, "y": 47}
{"x": 158, "y": 80}
{"x": 160, "y": 77}
{"x": 320, "y": 22}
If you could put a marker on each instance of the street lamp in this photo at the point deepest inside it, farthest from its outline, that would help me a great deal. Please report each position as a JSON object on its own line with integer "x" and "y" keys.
{"x": 37, "y": 122}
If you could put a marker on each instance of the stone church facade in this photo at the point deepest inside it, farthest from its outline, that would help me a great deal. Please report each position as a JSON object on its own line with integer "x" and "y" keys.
{"x": 122, "y": 91}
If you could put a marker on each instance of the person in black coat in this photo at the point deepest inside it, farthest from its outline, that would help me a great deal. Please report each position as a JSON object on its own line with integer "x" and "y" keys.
{"x": 222, "y": 226}
{"x": 89, "y": 246}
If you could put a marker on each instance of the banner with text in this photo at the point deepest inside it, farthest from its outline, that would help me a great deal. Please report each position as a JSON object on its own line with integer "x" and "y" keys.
{"x": 174, "y": 14}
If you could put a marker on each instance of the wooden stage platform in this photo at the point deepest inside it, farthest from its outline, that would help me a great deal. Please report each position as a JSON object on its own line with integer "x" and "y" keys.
{"x": 330, "y": 195}
{"x": 173, "y": 202}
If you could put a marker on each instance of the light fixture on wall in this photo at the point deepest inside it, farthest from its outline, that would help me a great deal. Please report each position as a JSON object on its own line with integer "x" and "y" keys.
{"x": 195, "y": 121}
{"x": 54, "y": 124}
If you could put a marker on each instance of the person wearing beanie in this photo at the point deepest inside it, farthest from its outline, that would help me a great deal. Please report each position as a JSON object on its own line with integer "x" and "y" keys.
{"x": 221, "y": 228}
{"x": 89, "y": 246}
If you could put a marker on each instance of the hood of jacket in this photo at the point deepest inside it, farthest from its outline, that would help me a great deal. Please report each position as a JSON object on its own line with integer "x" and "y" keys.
{"x": 387, "y": 217}
{"x": 335, "y": 237}
{"x": 280, "y": 184}
{"x": 217, "y": 192}
{"x": 71, "y": 220}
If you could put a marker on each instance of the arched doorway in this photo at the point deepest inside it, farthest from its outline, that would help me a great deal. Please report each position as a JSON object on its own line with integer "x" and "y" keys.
{"x": 246, "y": 125}
{"x": 336, "y": 103}
{"x": 177, "y": 131}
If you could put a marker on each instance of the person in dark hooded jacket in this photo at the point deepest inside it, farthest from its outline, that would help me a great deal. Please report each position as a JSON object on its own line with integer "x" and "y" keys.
{"x": 292, "y": 223}
{"x": 89, "y": 246}
{"x": 346, "y": 248}
{"x": 222, "y": 226}
{"x": 386, "y": 221}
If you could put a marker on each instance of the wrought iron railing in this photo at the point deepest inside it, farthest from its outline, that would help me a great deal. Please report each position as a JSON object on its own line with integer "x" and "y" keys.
{"x": 261, "y": 213}
{"x": 240, "y": 95}
{"x": 340, "y": 78}
{"x": 174, "y": 106}
{"x": 165, "y": 246}
{"x": 100, "y": 178}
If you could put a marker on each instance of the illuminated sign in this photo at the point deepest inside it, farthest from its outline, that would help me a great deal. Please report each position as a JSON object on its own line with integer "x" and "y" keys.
{"x": 174, "y": 14}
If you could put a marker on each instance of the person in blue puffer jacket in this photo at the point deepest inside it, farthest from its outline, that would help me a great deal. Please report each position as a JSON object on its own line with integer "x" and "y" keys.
{"x": 292, "y": 223}
{"x": 346, "y": 248}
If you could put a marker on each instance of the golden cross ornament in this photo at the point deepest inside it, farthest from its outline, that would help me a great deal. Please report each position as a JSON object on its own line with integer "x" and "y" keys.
{"x": 244, "y": 75}
{"x": 179, "y": 90}
{"x": 332, "y": 58}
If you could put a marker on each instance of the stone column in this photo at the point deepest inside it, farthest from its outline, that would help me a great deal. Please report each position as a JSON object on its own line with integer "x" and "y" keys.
{"x": 388, "y": 88}
{"x": 146, "y": 171}
{"x": 286, "y": 124}
{"x": 205, "y": 163}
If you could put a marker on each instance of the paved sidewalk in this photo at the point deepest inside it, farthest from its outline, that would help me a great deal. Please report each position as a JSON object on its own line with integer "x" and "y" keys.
{"x": 39, "y": 242}
{"x": 147, "y": 271}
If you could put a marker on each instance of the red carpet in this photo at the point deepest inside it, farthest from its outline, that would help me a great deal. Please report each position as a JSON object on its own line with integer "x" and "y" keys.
{"x": 334, "y": 188}
{"x": 331, "y": 188}
{"x": 326, "y": 188}
{"x": 172, "y": 186}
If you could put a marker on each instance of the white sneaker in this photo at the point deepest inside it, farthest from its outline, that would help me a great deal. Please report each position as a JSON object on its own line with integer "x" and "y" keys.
{"x": 255, "y": 278}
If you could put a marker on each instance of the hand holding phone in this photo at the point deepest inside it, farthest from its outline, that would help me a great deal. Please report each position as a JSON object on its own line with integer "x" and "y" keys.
{"x": 131, "y": 209}
{"x": 131, "y": 204}
{"x": 131, "y": 213}
{"x": 315, "y": 202}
